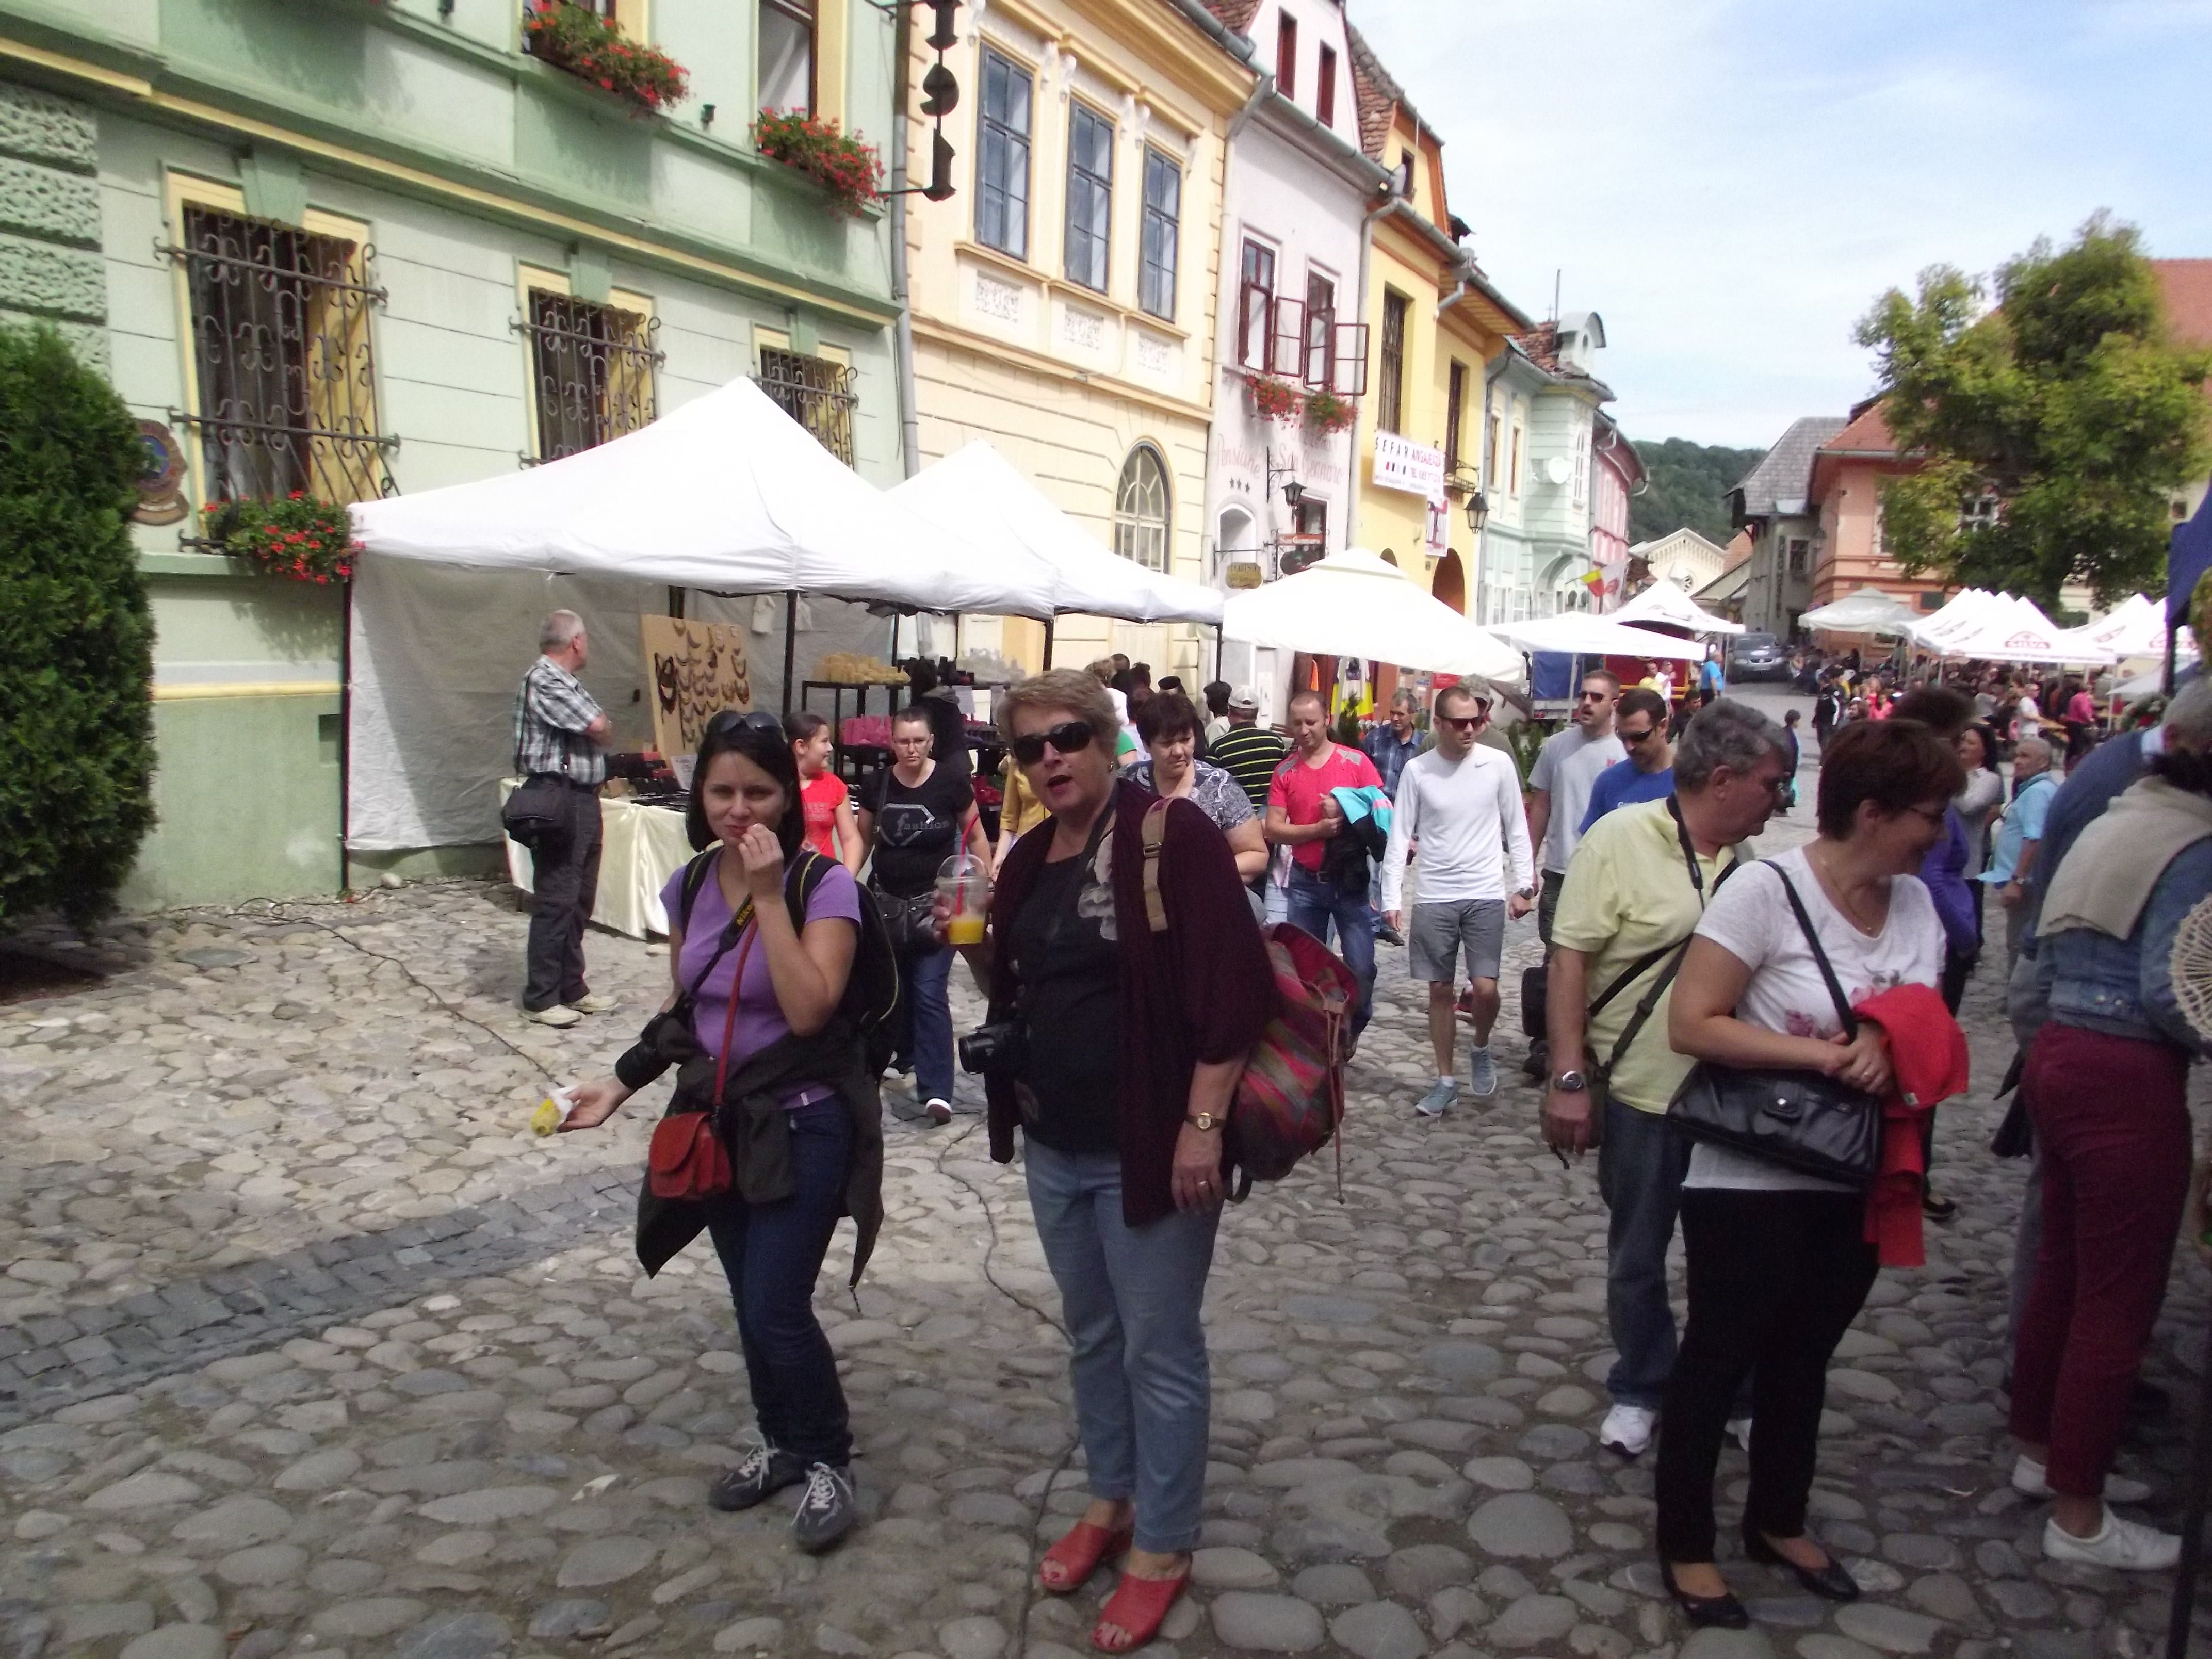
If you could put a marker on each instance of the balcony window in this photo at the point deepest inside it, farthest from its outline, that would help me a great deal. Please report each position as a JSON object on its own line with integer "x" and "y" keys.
{"x": 1090, "y": 196}
{"x": 282, "y": 359}
{"x": 1142, "y": 509}
{"x": 1002, "y": 158}
{"x": 592, "y": 372}
{"x": 1162, "y": 230}
{"x": 786, "y": 55}
{"x": 818, "y": 392}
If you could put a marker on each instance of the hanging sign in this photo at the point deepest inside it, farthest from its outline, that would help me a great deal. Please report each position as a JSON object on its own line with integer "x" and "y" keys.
{"x": 1401, "y": 464}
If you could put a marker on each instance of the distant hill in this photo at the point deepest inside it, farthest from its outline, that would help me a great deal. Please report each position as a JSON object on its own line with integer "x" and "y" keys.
{"x": 1687, "y": 483}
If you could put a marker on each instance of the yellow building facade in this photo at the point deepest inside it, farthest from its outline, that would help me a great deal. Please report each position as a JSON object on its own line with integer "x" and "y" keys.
{"x": 1063, "y": 301}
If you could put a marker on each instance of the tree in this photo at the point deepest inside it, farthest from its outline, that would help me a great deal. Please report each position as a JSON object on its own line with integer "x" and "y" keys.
{"x": 1684, "y": 484}
{"x": 76, "y": 668}
{"x": 2052, "y": 427}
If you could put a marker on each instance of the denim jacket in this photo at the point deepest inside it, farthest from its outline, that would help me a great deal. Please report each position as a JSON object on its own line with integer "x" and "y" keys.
{"x": 2124, "y": 988}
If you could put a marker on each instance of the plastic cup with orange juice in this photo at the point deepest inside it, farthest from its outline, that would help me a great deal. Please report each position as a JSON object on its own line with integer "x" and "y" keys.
{"x": 965, "y": 884}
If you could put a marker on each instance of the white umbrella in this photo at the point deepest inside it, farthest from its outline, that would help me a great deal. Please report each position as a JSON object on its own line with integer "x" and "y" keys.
{"x": 1868, "y": 610}
{"x": 1577, "y": 633}
{"x": 1356, "y": 604}
{"x": 1663, "y": 602}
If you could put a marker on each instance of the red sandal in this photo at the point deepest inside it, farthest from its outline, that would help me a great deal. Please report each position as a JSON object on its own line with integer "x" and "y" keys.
{"x": 1137, "y": 1607}
{"x": 1068, "y": 1565}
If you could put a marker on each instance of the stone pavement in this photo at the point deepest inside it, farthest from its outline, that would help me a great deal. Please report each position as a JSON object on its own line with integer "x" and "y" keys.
{"x": 308, "y": 1347}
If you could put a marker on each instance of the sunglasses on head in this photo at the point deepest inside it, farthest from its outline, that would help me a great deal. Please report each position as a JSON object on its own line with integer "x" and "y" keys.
{"x": 1071, "y": 737}
{"x": 732, "y": 720}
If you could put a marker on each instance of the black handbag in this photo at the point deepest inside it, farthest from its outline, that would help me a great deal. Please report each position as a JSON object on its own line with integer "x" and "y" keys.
{"x": 911, "y": 923}
{"x": 536, "y": 811}
{"x": 1800, "y": 1120}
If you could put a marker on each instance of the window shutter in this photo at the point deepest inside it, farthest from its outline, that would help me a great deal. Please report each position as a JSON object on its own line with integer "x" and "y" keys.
{"x": 1349, "y": 375}
{"x": 1286, "y": 350}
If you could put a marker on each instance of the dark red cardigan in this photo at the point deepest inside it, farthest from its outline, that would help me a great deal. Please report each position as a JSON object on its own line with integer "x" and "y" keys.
{"x": 1201, "y": 991}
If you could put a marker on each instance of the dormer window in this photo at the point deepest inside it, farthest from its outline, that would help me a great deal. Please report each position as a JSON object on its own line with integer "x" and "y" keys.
{"x": 1401, "y": 180}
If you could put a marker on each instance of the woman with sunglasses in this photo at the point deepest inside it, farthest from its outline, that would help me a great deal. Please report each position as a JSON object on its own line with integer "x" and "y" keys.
{"x": 765, "y": 992}
{"x": 1124, "y": 1048}
{"x": 1778, "y": 1263}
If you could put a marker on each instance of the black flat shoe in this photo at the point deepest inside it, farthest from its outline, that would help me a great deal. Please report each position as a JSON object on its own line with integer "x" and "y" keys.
{"x": 1721, "y": 1612}
{"x": 1831, "y": 1582}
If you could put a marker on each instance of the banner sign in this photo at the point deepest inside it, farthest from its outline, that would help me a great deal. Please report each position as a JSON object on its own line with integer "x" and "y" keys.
{"x": 1401, "y": 464}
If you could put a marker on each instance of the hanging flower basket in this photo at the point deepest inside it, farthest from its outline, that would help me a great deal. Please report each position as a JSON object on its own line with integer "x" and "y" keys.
{"x": 1327, "y": 413}
{"x": 594, "y": 49}
{"x": 1276, "y": 400}
{"x": 849, "y": 170}
{"x": 300, "y": 538}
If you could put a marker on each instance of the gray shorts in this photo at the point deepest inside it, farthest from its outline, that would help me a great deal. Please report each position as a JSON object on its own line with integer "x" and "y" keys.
{"x": 1438, "y": 932}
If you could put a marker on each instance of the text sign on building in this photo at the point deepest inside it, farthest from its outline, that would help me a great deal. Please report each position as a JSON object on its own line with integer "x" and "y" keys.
{"x": 1401, "y": 464}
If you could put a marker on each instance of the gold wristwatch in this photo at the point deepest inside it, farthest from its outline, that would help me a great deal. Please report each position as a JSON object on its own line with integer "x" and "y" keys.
{"x": 1204, "y": 1122}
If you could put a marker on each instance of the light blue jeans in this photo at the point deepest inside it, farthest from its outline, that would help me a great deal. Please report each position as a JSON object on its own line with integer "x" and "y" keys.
{"x": 1131, "y": 1297}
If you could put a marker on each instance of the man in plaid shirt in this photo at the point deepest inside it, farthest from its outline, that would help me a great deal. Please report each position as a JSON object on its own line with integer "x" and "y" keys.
{"x": 560, "y": 731}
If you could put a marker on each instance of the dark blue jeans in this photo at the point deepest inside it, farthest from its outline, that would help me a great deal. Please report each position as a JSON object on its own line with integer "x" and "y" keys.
{"x": 1314, "y": 905}
{"x": 925, "y": 1021}
{"x": 1640, "y": 1165}
{"x": 772, "y": 1254}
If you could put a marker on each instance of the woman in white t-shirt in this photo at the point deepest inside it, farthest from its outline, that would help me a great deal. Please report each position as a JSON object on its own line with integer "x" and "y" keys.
{"x": 1778, "y": 1261}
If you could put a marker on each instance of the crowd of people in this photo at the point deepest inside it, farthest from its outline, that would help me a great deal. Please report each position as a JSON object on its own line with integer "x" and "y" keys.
{"x": 1125, "y": 992}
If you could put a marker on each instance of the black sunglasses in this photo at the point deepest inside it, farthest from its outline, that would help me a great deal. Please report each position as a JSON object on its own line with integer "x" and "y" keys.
{"x": 1638, "y": 737}
{"x": 732, "y": 720}
{"x": 1071, "y": 739}
{"x": 1462, "y": 722}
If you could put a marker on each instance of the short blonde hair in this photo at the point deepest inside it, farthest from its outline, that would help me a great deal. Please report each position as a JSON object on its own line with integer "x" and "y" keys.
{"x": 1071, "y": 689}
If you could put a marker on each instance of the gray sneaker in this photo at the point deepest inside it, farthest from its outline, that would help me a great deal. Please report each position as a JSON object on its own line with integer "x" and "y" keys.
{"x": 1482, "y": 1073}
{"x": 827, "y": 1511}
{"x": 1438, "y": 1100}
{"x": 766, "y": 1471}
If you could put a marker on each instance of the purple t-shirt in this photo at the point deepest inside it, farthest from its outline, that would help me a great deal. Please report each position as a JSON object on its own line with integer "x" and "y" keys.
{"x": 760, "y": 1020}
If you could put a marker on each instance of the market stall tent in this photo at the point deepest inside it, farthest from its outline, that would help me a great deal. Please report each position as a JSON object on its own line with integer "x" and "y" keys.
{"x": 1576, "y": 633}
{"x": 2133, "y": 630}
{"x": 978, "y": 496}
{"x": 1664, "y": 603}
{"x": 1356, "y": 604}
{"x": 2014, "y": 630}
{"x": 1868, "y": 610}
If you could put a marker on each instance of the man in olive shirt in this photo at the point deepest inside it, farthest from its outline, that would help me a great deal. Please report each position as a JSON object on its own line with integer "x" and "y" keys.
{"x": 1635, "y": 890}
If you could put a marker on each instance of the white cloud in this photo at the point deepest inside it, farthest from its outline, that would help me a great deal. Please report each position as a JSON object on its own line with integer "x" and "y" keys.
{"x": 1731, "y": 183}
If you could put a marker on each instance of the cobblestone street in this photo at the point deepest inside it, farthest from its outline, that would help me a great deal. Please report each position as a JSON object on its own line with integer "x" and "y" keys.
{"x": 306, "y": 1346}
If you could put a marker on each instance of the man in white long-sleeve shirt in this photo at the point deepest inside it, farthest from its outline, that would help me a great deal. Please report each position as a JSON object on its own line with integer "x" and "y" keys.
{"x": 1462, "y": 802}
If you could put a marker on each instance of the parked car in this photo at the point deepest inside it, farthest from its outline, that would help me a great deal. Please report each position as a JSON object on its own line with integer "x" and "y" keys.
{"x": 1756, "y": 657}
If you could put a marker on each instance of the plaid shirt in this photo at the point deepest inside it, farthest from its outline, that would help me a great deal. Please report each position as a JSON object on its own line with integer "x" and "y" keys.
{"x": 552, "y": 710}
{"x": 1390, "y": 756}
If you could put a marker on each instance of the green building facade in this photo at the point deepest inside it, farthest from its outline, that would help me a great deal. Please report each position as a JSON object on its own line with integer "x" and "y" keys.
{"x": 356, "y": 246}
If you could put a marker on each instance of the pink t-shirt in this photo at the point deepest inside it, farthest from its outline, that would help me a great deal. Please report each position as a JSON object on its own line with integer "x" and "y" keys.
{"x": 819, "y": 798}
{"x": 1299, "y": 788}
{"x": 2081, "y": 709}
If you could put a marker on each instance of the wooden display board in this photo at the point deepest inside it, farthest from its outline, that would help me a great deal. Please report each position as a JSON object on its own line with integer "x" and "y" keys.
{"x": 696, "y": 670}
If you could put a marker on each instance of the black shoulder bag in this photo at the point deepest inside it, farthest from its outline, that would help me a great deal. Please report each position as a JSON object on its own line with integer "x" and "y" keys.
{"x": 1802, "y": 1121}
{"x": 536, "y": 810}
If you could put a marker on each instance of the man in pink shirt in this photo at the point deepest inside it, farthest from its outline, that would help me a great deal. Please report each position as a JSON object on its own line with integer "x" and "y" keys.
{"x": 1302, "y": 816}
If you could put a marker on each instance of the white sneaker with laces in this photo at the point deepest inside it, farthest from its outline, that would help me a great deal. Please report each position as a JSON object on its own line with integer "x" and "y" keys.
{"x": 595, "y": 1004}
{"x": 1627, "y": 1429}
{"x": 1740, "y": 1428}
{"x": 2127, "y": 1546}
{"x": 557, "y": 1017}
{"x": 2031, "y": 1479}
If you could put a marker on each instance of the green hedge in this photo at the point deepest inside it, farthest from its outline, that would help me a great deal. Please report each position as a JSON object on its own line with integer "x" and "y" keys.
{"x": 76, "y": 666}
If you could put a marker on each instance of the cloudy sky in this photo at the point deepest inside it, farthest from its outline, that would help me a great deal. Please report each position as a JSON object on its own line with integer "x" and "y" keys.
{"x": 1731, "y": 183}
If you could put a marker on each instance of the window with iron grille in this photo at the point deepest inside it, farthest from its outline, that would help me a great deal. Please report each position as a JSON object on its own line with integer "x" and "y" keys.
{"x": 1142, "y": 509}
{"x": 1390, "y": 397}
{"x": 1455, "y": 406}
{"x": 1255, "y": 305}
{"x": 281, "y": 355}
{"x": 815, "y": 391}
{"x": 592, "y": 372}
{"x": 1156, "y": 274}
{"x": 1002, "y": 158}
{"x": 1090, "y": 196}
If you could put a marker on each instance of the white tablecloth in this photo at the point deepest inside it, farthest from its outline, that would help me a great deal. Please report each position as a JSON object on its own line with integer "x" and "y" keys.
{"x": 644, "y": 846}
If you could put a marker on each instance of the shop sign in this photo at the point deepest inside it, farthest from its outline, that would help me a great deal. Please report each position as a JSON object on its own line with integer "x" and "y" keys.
{"x": 1401, "y": 464}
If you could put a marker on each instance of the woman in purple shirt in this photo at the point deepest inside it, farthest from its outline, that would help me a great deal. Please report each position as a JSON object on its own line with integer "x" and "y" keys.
{"x": 756, "y": 978}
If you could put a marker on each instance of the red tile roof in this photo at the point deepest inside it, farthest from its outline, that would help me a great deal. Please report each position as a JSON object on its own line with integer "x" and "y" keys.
{"x": 1738, "y": 551}
{"x": 1541, "y": 344}
{"x": 1235, "y": 15}
{"x": 1867, "y": 435}
{"x": 2187, "y": 286}
{"x": 1373, "y": 94}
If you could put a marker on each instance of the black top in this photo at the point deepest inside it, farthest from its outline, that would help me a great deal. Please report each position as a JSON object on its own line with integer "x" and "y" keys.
{"x": 917, "y": 828}
{"x": 1064, "y": 952}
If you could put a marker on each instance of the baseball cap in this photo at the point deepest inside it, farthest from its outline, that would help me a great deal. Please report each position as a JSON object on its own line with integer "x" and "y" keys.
{"x": 1242, "y": 697}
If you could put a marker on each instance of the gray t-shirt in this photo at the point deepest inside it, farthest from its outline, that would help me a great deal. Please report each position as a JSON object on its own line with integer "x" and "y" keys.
{"x": 1567, "y": 766}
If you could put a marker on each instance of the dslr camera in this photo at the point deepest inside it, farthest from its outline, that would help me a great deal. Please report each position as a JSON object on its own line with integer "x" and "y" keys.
{"x": 1001, "y": 1046}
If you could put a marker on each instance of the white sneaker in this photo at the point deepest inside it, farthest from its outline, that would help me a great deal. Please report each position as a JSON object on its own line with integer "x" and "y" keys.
{"x": 2129, "y": 1546}
{"x": 595, "y": 1004}
{"x": 2030, "y": 1480}
{"x": 1740, "y": 1428}
{"x": 556, "y": 1015}
{"x": 1627, "y": 1430}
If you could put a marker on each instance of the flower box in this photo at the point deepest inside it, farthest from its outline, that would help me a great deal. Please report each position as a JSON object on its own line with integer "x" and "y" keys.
{"x": 299, "y": 538}
{"x": 1276, "y": 400}
{"x": 1327, "y": 414}
{"x": 849, "y": 170}
{"x": 594, "y": 49}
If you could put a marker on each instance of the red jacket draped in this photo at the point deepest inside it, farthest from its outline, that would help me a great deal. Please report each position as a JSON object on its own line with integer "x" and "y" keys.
{"x": 1203, "y": 990}
{"x": 1928, "y": 1056}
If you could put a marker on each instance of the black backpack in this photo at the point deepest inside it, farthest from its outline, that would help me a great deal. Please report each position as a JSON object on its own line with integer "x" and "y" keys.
{"x": 871, "y": 991}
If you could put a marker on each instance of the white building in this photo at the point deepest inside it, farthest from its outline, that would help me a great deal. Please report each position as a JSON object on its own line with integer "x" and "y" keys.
{"x": 1293, "y": 249}
{"x": 1685, "y": 558}
{"x": 1543, "y": 423}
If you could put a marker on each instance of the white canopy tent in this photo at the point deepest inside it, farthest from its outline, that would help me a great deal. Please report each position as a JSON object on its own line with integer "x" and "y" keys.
{"x": 2132, "y": 631}
{"x": 1575, "y": 633}
{"x": 1664, "y": 602}
{"x": 980, "y": 497}
{"x": 1868, "y": 610}
{"x": 727, "y": 497}
{"x": 1965, "y": 611}
{"x": 2011, "y": 629}
{"x": 1357, "y": 604}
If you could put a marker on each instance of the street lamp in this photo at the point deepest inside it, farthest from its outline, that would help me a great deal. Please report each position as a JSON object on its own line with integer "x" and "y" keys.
{"x": 1293, "y": 493}
{"x": 1478, "y": 512}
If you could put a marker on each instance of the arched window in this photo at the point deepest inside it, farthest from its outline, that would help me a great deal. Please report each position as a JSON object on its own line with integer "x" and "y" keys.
{"x": 1142, "y": 511}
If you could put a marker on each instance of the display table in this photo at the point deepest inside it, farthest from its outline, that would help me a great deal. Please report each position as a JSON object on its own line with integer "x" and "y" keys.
{"x": 643, "y": 845}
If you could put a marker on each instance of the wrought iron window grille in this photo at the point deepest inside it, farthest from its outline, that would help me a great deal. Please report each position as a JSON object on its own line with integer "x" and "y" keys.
{"x": 283, "y": 359}
{"x": 592, "y": 370}
{"x": 814, "y": 392}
